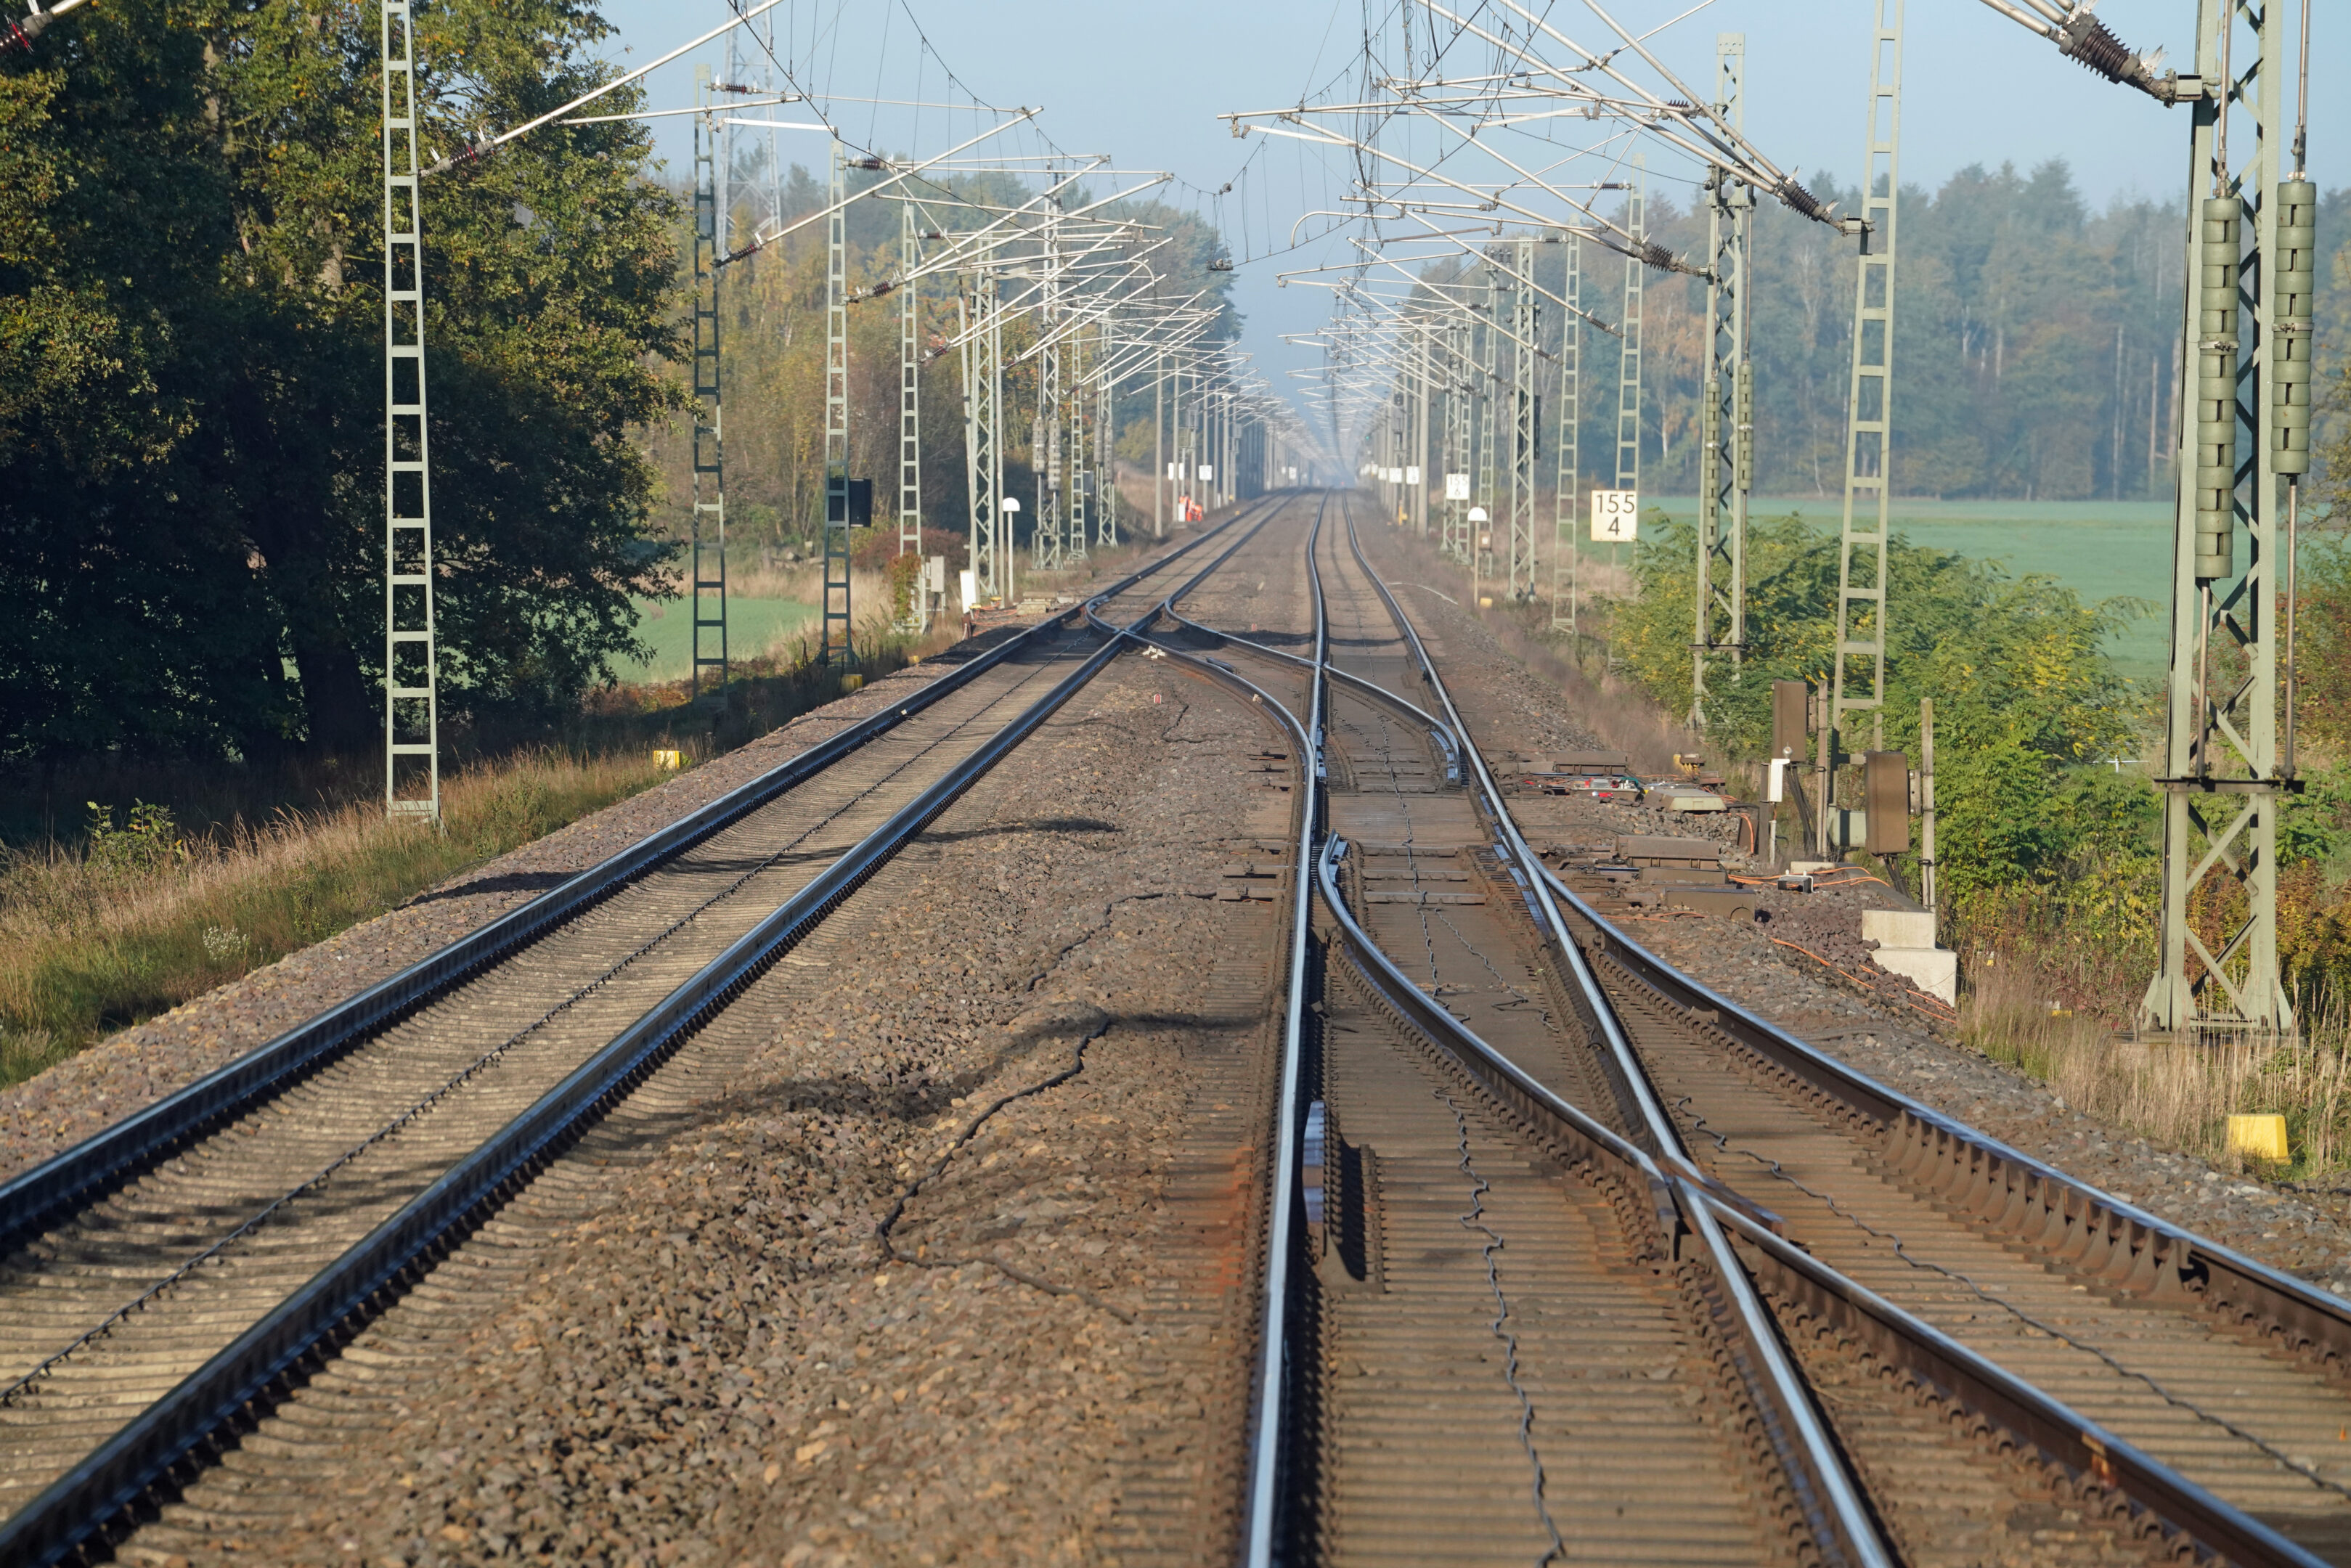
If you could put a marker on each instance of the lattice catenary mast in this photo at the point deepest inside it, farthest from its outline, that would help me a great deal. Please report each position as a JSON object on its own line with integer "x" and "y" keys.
{"x": 1566, "y": 508}
{"x": 1862, "y": 605}
{"x": 2246, "y": 428}
{"x": 1726, "y": 402}
{"x": 1525, "y": 321}
{"x": 706, "y": 546}
{"x": 838, "y": 645}
{"x": 412, "y": 700}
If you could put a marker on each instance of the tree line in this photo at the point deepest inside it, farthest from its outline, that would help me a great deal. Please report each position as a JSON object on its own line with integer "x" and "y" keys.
{"x": 2035, "y": 353}
{"x": 191, "y": 384}
{"x": 772, "y": 344}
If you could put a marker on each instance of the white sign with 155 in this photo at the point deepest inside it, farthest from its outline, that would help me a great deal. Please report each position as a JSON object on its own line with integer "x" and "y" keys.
{"x": 1615, "y": 516}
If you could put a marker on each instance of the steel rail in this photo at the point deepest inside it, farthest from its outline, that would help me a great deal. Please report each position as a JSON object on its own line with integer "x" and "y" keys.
{"x": 2095, "y": 1459}
{"x": 1830, "y": 1496}
{"x": 1655, "y": 1129}
{"x": 31, "y": 1200}
{"x": 1829, "y": 1499}
{"x": 1263, "y": 1506}
{"x": 2092, "y": 1457}
{"x": 1988, "y": 1180}
{"x": 1636, "y": 1099}
{"x": 1273, "y": 1343}
{"x": 83, "y": 1502}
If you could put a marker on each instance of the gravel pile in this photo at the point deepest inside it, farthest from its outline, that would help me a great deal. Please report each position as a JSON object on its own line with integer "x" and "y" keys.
{"x": 1037, "y": 1050}
{"x": 84, "y": 1094}
{"x": 1890, "y": 1038}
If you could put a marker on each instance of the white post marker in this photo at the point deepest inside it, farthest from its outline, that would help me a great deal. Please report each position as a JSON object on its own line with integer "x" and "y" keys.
{"x": 1615, "y": 516}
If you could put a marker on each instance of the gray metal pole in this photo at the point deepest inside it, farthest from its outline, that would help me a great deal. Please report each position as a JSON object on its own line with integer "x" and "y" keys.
{"x": 1525, "y": 322}
{"x": 910, "y": 408}
{"x": 838, "y": 645}
{"x": 1862, "y": 606}
{"x": 1718, "y": 602}
{"x": 1567, "y": 507}
{"x": 412, "y": 667}
{"x": 707, "y": 552}
{"x": 2223, "y": 784}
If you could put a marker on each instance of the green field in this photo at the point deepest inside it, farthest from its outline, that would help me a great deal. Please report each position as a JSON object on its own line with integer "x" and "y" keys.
{"x": 753, "y": 626}
{"x": 2101, "y": 550}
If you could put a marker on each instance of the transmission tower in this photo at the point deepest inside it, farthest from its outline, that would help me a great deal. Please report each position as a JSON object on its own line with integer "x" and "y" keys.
{"x": 838, "y": 645}
{"x": 2224, "y": 777}
{"x": 1863, "y": 608}
{"x": 1524, "y": 322}
{"x": 1566, "y": 501}
{"x": 412, "y": 701}
{"x": 1726, "y": 463}
{"x": 707, "y": 547}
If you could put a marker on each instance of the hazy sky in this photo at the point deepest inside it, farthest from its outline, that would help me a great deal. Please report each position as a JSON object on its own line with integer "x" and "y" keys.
{"x": 1145, "y": 83}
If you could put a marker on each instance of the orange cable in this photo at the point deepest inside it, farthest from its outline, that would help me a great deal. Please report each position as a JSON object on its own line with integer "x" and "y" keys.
{"x": 1816, "y": 958}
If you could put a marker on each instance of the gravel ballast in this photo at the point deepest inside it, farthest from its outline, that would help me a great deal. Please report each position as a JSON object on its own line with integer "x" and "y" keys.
{"x": 1516, "y": 715}
{"x": 1038, "y": 1047}
{"x": 120, "y": 1074}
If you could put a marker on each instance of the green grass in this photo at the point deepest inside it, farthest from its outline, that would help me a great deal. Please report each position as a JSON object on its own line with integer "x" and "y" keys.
{"x": 755, "y": 628}
{"x": 2099, "y": 548}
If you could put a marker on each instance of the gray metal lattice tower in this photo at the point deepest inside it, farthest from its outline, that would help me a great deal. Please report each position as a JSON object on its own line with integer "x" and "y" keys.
{"x": 706, "y": 542}
{"x": 1525, "y": 321}
{"x": 1422, "y": 369}
{"x": 1073, "y": 415}
{"x": 1726, "y": 467}
{"x": 982, "y": 404}
{"x": 1457, "y": 373}
{"x": 1105, "y": 452}
{"x": 1484, "y": 420}
{"x": 1159, "y": 443}
{"x": 910, "y": 413}
{"x": 411, "y": 670}
{"x": 2224, "y": 776}
{"x": 1567, "y": 508}
{"x": 1863, "y": 607}
{"x": 1628, "y": 357}
{"x": 1045, "y": 442}
{"x": 838, "y": 645}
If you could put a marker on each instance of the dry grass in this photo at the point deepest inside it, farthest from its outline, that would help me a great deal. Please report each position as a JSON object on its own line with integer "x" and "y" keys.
{"x": 87, "y": 947}
{"x": 1624, "y": 717}
{"x": 2176, "y": 1094}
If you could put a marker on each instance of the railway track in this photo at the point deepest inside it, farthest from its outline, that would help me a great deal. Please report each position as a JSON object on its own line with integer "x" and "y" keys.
{"x": 1443, "y": 1299}
{"x": 1487, "y": 1041}
{"x": 160, "y": 1279}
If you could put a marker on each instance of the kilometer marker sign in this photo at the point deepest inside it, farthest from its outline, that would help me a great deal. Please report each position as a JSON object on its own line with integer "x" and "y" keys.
{"x": 1615, "y": 516}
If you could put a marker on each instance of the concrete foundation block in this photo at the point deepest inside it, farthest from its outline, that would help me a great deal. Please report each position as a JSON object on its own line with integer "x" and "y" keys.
{"x": 1898, "y": 927}
{"x": 1934, "y": 970}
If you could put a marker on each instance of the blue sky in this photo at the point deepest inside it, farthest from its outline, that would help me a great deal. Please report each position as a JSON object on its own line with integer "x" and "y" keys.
{"x": 1145, "y": 83}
